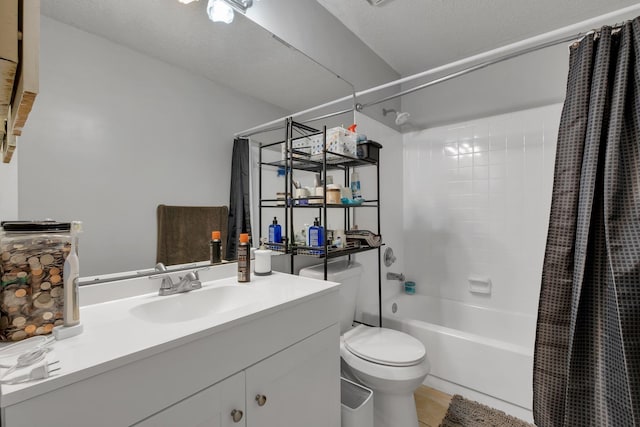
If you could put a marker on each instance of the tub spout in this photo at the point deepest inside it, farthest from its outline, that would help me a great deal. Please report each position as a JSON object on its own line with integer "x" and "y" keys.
{"x": 395, "y": 276}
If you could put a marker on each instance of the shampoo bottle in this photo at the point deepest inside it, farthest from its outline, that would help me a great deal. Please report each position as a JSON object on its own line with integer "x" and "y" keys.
{"x": 316, "y": 234}
{"x": 275, "y": 231}
{"x": 215, "y": 248}
{"x": 244, "y": 259}
{"x": 355, "y": 186}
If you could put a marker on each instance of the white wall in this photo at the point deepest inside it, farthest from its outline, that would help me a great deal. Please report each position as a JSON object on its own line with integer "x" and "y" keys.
{"x": 114, "y": 133}
{"x": 477, "y": 196}
{"x": 321, "y": 36}
{"x": 391, "y": 202}
{"x": 529, "y": 81}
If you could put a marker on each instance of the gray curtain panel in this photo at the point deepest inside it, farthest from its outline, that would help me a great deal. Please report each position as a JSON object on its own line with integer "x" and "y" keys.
{"x": 587, "y": 351}
{"x": 239, "y": 203}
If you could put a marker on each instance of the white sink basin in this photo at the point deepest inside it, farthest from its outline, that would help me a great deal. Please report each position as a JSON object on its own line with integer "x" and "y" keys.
{"x": 195, "y": 304}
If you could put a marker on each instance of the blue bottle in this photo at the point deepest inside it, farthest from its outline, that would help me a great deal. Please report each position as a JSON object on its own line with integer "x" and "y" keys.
{"x": 316, "y": 234}
{"x": 275, "y": 231}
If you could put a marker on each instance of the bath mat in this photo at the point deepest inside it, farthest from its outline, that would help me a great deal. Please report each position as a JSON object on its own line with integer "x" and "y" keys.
{"x": 467, "y": 413}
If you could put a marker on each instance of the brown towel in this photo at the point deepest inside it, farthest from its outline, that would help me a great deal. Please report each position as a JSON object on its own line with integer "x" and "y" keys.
{"x": 184, "y": 232}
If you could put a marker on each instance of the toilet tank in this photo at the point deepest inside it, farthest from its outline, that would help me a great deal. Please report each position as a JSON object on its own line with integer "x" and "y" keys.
{"x": 348, "y": 274}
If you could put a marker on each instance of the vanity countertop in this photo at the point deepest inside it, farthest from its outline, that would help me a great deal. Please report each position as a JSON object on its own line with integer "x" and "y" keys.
{"x": 114, "y": 336}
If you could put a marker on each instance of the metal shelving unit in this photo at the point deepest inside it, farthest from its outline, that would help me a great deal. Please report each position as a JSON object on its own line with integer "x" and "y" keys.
{"x": 300, "y": 161}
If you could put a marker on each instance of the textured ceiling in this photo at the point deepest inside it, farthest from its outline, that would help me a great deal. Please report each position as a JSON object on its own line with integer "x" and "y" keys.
{"x": 414, "y": 35}
{"x": 242, "y": 55}
{"x": 410, "y": 35}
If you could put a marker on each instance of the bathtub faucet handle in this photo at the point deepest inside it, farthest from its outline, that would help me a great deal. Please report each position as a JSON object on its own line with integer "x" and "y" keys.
{"x": 395, "y": 276}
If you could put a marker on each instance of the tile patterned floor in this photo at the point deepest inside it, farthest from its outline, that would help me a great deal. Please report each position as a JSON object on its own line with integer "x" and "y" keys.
{"x": 432, "y": 406}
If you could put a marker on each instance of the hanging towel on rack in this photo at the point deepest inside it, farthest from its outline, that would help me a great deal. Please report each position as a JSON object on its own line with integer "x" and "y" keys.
{"x": 184, "y": 232}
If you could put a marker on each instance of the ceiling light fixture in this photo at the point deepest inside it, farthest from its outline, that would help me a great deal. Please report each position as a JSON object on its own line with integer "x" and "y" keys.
{"x": 186, "y": 1}
{"x": 222, "y": 10}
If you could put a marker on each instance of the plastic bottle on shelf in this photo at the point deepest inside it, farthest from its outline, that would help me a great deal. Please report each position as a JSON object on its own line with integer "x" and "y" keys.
{"x": 355, "y": 186}
{"x": 215, "y": 248}
{"x": 316, "y": 234}
{"x": 244, "y": 259}
{"x": 275, "y": 231}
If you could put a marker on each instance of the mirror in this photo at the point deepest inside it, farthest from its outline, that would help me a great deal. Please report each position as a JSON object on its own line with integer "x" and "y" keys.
{"x": 138, "y": 105}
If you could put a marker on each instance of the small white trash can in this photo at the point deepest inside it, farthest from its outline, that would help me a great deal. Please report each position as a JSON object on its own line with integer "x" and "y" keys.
{"x": 357, "y": 404}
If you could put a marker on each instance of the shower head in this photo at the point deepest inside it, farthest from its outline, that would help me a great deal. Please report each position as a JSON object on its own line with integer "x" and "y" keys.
{"x": 401, "y": 117}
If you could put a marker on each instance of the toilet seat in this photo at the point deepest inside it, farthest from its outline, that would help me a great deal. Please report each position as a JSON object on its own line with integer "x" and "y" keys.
{"x": 384, "y": 346}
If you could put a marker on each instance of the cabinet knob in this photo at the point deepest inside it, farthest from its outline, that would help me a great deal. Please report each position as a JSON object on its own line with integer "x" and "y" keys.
{"x": 236, "y": 415}
{"x": 261, "y": 399}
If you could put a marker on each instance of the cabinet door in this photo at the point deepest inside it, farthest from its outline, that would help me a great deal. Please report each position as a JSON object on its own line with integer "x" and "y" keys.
{"x": 212, "y": 407}
{"x": 299, "y": 386}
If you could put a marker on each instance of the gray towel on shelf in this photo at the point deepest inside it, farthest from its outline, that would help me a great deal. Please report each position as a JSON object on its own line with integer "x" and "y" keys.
{"x": 184, "y": 232}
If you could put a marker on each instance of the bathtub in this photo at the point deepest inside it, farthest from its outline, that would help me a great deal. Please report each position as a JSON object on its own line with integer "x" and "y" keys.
{"x": 483, "y": 354}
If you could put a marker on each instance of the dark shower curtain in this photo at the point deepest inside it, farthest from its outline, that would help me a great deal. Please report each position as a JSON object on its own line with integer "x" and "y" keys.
{"x": 239, "y": 203}
{"x": 587, "y": 352}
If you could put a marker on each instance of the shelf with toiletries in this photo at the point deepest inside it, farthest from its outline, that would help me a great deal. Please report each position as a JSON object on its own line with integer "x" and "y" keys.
{"x": 305, "y": 204}
{"x": 306, "y": 164}
{"x": 316, "y": 252}
{"x": 308, "y": 154}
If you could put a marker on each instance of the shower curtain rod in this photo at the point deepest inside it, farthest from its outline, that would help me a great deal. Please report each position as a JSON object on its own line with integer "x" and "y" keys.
{"x": 513, "y": 50}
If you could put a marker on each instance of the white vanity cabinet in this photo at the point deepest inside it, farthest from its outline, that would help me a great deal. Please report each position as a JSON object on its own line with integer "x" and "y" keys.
{"x": 276, "y": 362}
{"x": 294, "y": 387}
{"x": 299, "y": 386}
{"x": 221, "y": 405}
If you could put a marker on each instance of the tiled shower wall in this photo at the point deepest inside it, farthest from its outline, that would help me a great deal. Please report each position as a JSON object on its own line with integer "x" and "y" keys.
{"x": 476, "y": 205}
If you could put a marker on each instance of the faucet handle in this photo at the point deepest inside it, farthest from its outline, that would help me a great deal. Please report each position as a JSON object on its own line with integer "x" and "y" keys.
{"x": 197, "y": 271}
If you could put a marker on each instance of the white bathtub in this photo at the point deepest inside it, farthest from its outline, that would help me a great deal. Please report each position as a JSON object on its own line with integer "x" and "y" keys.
{"x": 483, "y": 354}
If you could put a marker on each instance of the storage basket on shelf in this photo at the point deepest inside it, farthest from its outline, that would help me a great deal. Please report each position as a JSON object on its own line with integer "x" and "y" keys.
{"x": 340, "y": 141}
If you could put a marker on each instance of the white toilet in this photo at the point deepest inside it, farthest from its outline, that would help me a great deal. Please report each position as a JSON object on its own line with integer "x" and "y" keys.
{"x": 391, "y": 363}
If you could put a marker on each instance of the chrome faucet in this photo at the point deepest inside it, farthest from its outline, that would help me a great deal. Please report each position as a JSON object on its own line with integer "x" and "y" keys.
{"x": 189, "y": 282}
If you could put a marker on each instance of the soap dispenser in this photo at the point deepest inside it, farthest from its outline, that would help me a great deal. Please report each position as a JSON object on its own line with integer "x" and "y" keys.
{"x": 263, "y": 260}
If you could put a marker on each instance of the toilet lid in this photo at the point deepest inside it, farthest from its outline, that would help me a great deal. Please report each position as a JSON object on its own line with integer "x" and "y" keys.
{"x": 385, "y": 347}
